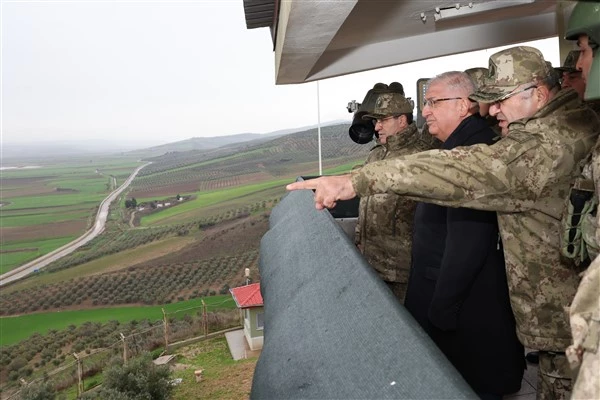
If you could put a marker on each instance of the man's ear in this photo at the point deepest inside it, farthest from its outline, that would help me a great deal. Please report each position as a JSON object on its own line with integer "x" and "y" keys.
{"x": 403, "y": 119}
{"x": 465, "y": 106}
{"x": 542, "y": 94}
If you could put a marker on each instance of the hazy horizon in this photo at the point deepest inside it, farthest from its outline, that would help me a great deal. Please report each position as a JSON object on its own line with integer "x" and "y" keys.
{"x": 41, "y": 149}
{"x": 165, "y": 72}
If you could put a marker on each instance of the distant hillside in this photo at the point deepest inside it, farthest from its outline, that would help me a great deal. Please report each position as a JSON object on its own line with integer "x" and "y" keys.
{"x": 214, "y": 142}
{"x": 248, "y": 162}
{"x": 20, "y": 153}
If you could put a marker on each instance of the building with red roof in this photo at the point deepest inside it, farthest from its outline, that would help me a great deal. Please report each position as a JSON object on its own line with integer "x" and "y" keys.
{"x": 249, "y": 300}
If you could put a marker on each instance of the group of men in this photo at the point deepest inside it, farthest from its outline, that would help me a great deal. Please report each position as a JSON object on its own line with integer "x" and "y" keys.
{"x": 489, "y": 271}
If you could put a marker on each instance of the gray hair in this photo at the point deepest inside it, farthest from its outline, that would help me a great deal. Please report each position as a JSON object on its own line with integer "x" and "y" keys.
{"x": 456, "y": 80}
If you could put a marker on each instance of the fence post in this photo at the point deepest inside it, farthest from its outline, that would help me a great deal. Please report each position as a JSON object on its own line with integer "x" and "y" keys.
{"x": 124, "y": 348}
{"x": 204, "y": 318}
{"x": 166, "y": 327}
{"x": 79, "y": 375}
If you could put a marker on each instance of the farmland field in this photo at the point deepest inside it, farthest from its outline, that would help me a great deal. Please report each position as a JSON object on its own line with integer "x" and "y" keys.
{"x": 15, "y": 329}
{"x": 110, "y": 263}
{"x": 197, "y": 247}
{"x": 15, "y": 254}
{"x": 53, "y": 204}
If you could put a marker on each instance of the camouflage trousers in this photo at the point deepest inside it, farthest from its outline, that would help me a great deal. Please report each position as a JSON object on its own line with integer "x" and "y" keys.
{"x": 587, "y": 384}
{"x": 554, "y": 377}
{"x": 399, "y": 290}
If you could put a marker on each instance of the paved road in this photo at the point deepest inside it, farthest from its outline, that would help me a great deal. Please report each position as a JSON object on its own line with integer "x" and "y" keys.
{"x": 97, "y": 229}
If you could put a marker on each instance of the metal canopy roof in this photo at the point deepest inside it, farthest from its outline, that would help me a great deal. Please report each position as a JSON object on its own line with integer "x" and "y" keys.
{"x": 316, "y": 39}
{"x": 259, "y": 13}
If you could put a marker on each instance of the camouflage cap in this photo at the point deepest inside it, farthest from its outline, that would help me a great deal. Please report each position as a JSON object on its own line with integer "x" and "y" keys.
{"x": 570, "y": 62}
{"x": 508, "y": 69}
{"x": 390, "y": 104}
{"x": 368, "y": 102}
{"x": 554, "y": 76}
{"x": 396, "y": 87}
{"x": 477, "y": 75}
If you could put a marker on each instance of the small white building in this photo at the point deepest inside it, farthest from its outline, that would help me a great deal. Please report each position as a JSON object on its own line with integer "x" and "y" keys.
{"x": 249, "y": 300}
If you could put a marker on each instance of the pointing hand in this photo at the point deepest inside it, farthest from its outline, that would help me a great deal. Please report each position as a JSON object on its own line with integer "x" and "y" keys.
{"x": 328, "y": 189}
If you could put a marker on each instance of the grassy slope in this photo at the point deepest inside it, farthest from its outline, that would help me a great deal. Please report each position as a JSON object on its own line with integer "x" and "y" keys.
{"x": 109, "y": 263}
{"x": 211, "y": 198}
{"x": 246, "y": 194}
{"x": 15, "y": 329}
{"x": 223, "y": 377}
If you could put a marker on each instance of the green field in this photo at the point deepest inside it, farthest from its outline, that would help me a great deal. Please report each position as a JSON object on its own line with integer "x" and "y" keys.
{"x": 195, "y": 248}
{"x": 30, "y": 218}
{"x": 84, "y": 196}
{"x": 44, "y": 208}
{"x": 11, "y": 260}
{"x": 15, "y": 329}
{"x": 220, "y": 196}
{"x": 123, "y": 258}
{"x": 205, "y": 199}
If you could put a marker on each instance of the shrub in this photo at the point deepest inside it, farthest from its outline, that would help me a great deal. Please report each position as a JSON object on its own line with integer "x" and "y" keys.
{"x": 139, "y": 379}
{"x": 17, "y": 364}
{"x": 38, "y": 391}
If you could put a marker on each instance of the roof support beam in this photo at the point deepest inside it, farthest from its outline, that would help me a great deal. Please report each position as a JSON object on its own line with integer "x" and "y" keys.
{"x": 315, "y": 22}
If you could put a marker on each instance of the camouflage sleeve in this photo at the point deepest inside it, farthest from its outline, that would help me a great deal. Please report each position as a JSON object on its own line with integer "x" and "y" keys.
{"x": 507, "y": 176}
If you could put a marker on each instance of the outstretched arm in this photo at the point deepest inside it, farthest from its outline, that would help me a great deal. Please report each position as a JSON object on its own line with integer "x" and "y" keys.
{"x": 328, "y": 189}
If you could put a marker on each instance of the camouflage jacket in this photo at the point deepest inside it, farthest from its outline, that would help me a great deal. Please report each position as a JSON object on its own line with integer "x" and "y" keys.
{"x": 525, "y": 177}
{"x": 384, "y": 228}
{"x": 584, "y": 353}
{"x": 591, "y": 171}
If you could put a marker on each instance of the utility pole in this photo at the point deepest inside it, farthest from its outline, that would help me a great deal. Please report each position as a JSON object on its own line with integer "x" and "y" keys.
{"x": 79, "y": 376}
{"x": 319, "y": 128}
{"x": 166, "y": 327}
{"x": 124, "y": 348}
{"x": 204, "y": 318}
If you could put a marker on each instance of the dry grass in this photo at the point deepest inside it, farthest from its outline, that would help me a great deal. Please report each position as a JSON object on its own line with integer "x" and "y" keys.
{"x": 223, "y": 378}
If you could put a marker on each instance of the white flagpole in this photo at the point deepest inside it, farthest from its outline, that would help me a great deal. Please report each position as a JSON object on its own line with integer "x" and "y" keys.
{"x": 319, "y": 128}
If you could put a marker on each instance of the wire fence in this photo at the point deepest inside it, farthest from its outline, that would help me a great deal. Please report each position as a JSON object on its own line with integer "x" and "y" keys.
{"x": 83, "y": 372}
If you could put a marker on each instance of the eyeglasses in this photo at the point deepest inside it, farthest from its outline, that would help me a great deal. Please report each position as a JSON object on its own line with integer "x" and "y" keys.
{"x": 511, "y": 94}
{"x": 380, "y": 120}
{"x": 432, "y": 102}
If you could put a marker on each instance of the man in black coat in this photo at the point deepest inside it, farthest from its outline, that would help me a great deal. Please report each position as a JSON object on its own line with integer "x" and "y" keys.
{"x": 457, "y": 288}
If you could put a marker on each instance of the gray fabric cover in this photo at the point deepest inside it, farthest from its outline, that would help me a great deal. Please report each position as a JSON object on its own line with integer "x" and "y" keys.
{"x": 332, "y": 328}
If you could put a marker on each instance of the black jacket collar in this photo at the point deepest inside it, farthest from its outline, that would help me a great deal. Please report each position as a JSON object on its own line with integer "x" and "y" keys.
{"x": 468, "y": 128}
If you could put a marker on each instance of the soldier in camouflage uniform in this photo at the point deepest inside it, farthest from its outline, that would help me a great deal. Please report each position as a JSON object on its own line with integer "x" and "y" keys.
{"x": 581, "y": 241}
{"x": 583, "y": 29}
{"x": 571, "y": 77}
{"x": 385, "y": 221}
{"x": 524, "y": 177}
{"x": 478, "y": 75}
{"x": 584, "y": 353}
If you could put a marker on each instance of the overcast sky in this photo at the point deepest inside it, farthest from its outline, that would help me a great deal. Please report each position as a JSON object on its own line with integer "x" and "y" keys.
{"x": 165, "y": 71}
